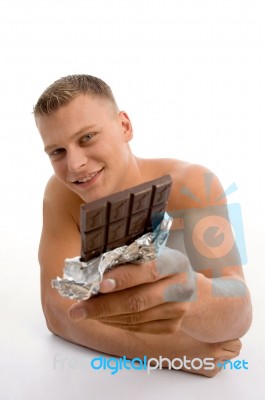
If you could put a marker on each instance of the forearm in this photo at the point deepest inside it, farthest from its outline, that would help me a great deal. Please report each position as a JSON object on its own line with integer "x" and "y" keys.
{"x": 87, "y": 333}
{"x": 220, "y": 310}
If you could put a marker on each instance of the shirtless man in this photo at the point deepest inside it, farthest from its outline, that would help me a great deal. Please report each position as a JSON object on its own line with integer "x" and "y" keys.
{"x": 166, "y": 307}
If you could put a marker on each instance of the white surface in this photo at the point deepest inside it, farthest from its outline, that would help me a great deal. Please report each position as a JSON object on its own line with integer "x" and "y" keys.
{"x": 191, "y": 76}
{"x": 29, "y": 352}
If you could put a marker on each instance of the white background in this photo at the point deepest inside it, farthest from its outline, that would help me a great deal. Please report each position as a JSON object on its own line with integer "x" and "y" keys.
{"x": 191, "y": 76}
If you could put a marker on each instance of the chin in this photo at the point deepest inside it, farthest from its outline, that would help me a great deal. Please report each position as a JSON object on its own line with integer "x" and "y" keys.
{"x": 89, "y": 197}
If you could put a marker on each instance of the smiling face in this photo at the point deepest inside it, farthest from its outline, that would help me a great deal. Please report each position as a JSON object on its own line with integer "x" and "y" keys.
{"x": 87, "y": 143}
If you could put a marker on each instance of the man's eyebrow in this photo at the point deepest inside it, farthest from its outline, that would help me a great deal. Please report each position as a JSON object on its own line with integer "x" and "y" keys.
{"x": 50, "y": 146}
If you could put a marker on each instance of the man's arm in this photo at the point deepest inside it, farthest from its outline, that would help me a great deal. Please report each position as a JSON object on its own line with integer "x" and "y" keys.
{"x": 61, "y": 239}
{"x": 221, "y": 307}
{"x": 212, "y": 318}
{"x": 130, "y": 334}
{"x": 166, "y": 296}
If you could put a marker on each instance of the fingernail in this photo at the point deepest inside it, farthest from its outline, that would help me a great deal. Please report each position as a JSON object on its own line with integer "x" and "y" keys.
{"x": 107, "y": 285}
{"x": 77, "y": 314}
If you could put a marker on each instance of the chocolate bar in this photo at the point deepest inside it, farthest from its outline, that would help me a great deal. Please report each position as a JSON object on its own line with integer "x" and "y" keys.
{"x": 120, "y": 218}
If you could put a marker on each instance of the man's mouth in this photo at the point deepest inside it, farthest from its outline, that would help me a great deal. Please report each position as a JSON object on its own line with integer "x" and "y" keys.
{"x": 87, "y": 178}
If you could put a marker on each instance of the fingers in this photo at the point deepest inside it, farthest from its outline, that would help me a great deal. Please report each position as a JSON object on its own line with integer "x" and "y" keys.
{"x": 165, "y": 311}
{"x": 227, "y": 350}
{"x": 133, "y": 300}
{"x": 233, "y": 346}
{"x": 151, "y": 297}
{"x": 130, "y": 275}
{"x": 167, "y": 326}
{"x": 169, "y": 263}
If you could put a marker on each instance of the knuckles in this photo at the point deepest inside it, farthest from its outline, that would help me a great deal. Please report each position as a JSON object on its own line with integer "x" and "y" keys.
{"x": 190, "y": 287}
{"x": 100, "y": 309}
{"x": 179, "y": 309}
{"x": 125, "y": 280}
{"x": 134, "y": 303}
{"x": 131, "y": 319}
{"x": 153, "y": 271}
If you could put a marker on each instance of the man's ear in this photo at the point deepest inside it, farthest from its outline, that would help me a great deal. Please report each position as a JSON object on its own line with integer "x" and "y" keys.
{"x": 126, "y": 126}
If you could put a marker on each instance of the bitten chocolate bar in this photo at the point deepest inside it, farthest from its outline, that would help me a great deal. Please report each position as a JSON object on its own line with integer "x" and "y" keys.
{"x": 120, "y": 218}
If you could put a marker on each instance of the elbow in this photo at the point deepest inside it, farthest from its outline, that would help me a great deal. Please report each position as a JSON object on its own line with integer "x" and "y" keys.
{"x": 241, "y": 318}
{"x": 55, "y": 317}
{"x": 48, "y": 312}
{"x": 51, "y": 321}
{"x": 59, "y": 323}
{"x": 52, "y": 327}
{"x": 246, "y": 317}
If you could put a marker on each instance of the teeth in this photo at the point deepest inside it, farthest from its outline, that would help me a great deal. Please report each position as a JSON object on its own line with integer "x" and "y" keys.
{"x": 87, "y": 178}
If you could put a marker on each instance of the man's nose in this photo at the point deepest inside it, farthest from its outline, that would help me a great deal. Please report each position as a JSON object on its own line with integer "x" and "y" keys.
{"x": 75, "y": 159}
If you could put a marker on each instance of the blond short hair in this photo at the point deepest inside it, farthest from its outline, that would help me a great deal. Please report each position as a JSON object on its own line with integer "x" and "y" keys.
{"x": 65, "y": 89}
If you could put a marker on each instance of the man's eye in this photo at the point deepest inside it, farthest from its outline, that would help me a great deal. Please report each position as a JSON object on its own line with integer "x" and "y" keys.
{"x": 56, "y": 153}
{"x": 87, "y": 138}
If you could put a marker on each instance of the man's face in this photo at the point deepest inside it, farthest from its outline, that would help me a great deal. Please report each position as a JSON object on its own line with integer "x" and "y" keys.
{"x": 87, "y": 143}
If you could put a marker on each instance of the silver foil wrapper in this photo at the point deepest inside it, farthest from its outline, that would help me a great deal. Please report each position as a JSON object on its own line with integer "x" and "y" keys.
{"x": 81, "y": 280}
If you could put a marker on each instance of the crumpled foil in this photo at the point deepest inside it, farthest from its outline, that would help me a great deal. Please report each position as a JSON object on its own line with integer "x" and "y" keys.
{"x": 81, "y": 280}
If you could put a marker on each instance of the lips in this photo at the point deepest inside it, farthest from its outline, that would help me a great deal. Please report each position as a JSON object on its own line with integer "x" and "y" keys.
{"x": 86, "y": 178}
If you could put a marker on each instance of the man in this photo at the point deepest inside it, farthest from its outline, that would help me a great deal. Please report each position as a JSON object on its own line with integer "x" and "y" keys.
{"x": 174, "y": 306}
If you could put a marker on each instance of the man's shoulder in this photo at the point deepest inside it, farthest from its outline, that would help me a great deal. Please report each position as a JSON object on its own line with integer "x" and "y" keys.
{"x": 193, "y": 185}
{"x": 59, "y": 197}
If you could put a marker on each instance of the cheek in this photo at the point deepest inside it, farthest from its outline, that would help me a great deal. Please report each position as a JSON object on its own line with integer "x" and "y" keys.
{"x": 117, "y": 152}
{"x": 108, "y": 153}
{"x": 59, "y": 168}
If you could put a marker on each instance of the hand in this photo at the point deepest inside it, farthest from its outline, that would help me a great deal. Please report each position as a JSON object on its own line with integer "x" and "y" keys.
{"x": 152, "y": 297}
